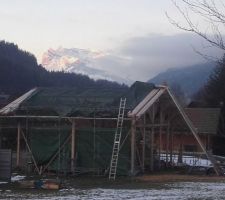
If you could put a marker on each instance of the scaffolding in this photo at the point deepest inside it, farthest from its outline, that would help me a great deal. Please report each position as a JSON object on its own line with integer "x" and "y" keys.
{"x": 81, "y": 129}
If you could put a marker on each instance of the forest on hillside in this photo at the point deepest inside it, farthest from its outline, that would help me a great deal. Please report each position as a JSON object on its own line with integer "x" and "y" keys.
{"x": 19, "y": 72}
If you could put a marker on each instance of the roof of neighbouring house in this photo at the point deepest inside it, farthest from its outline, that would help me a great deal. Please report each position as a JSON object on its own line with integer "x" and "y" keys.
{"x": 204, "y": 119}
{"x": 76, "y": 101}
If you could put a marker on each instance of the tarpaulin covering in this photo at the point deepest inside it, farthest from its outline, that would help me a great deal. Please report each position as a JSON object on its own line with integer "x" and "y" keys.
{"x": 93, "y": 149}
{"x": 103, "y": 102}
{"x": 93, "y": 146}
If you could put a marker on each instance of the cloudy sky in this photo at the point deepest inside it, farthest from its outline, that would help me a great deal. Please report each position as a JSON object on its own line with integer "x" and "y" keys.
{"x": 136, "y": 33}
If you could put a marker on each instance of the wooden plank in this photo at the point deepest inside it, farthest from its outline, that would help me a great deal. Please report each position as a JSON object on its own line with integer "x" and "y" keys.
{"x": 15, "y": 104}
{"x": 150, "y": 103}
{"x": 143, "y": 102}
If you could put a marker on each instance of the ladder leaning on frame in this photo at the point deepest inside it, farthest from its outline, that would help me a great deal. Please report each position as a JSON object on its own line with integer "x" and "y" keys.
{"x": 116, "y": 145}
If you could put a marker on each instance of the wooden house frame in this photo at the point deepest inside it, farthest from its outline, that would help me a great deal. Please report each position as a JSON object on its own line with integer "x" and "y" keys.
{"x": 159, "y": 113}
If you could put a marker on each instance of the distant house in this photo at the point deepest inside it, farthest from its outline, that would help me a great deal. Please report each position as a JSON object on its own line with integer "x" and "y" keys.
{"x": 72, "y": 129}
{"x": 205, "y": 121}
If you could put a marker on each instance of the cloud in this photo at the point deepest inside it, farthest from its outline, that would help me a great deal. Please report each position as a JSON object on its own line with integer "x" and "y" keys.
{"x": 141, "y": 58}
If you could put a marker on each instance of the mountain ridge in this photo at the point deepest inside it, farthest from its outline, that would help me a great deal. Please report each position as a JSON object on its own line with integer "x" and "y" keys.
{"x": 79, "y": 61}
{"x": 190, "y": 78}
{"x": 20, "y": 72}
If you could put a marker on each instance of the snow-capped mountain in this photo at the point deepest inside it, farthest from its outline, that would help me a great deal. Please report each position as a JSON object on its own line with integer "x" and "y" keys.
{"x": 80, "y": 61}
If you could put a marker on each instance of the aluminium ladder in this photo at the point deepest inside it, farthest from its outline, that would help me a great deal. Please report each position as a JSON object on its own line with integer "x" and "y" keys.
{"x": 116, "y": 145}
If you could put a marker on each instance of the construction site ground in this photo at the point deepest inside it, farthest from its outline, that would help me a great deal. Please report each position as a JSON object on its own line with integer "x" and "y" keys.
{"x": 151, "y": 186}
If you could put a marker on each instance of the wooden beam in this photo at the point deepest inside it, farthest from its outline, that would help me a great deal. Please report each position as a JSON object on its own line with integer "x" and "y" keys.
{"x": 57, "y": 117}
{"x": 133, "y": 145}
{"x": 151, "y": 125}
{"x": 180, "y": 151}
{"x": 29, "y": 149}
{"x": 160, "y": 146}
{"x": 167, "y": 145}
{"x": 144, "y": 102}
{"x": 195, "y": 133}
{"x": 18, "y": 145}
{"x": 124, "y": 140}
{"x": 160, "y": 135}
{"x": 57, "y": 153}
{"x": 208, "y": 143}
{"x": 152, "y": 140}
{"x": 152, "y": 151}
{"x": 171, "y": 147}
{"x": 73, "y": 147}
{"x": 150, "y": 103}
{"x": 143, "y": 146}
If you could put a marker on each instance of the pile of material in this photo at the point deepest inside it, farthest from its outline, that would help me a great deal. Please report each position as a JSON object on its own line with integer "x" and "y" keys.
{"x": 41, "y": 184}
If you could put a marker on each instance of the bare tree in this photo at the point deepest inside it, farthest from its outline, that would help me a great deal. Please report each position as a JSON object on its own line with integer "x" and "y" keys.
{"x": 195, "y": 13}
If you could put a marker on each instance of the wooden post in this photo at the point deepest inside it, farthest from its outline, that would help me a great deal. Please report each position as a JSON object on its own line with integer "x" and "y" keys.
{"x": 152, "y": 150}
{"x": 208, "y": 143}
{"x": 160, "y": 146}
{"x": 180, "y": 156}
{"x": 73, "y": 147}
{"x": 171, "y": 147}
{"x": 18, "y": 144}
{"x": 167, "y": 145}
{"x": 152, "y": 140}
{"x": 143, "y": 147}
{"x": 133, "y": 145}
{"x": 160, "y": 137}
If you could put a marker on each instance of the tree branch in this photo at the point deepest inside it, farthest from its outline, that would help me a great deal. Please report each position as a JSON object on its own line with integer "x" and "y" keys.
{"x": 209, "y": 12}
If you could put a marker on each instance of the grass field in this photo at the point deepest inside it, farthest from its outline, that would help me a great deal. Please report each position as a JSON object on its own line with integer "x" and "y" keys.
{"x": 162, "y": 186}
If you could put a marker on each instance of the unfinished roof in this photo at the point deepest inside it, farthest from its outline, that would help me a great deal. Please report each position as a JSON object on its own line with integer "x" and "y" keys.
{"x": 13, "y": 106}
{"x": 101, "y": 101}
{"x": 204, "y": 119}
{"x": 154, "y": 98}
{"x": 147, "y": 102}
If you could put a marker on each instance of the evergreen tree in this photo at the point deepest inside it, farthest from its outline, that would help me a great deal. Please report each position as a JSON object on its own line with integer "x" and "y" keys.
{"x": 214, "y": 93}
{"x": 215, "y": 88}
{"x": 20, "y": 72}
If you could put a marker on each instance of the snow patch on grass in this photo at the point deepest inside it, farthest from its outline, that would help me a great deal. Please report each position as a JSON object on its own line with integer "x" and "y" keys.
{"x": 17, "y": 178}
{"x": 175, "y": 191}
{"x": 2, "y": 182}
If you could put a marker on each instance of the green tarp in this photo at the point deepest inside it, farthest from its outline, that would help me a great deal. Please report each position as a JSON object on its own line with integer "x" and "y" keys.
{"x": 101, "y": 102}
{"x": 93, "y": 149}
